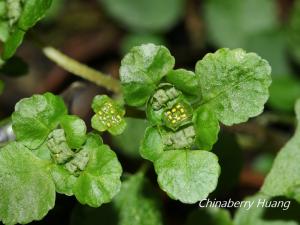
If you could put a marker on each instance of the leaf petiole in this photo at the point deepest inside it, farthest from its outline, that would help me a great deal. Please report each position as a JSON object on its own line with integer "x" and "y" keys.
{"x": 82, "y": 70}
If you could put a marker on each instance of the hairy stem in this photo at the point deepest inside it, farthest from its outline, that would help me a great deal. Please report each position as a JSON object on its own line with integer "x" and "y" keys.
{"x": 82, "y": 70}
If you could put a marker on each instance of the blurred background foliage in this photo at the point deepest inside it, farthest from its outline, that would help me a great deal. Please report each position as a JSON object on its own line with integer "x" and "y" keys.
{"x": 100, "y": 32}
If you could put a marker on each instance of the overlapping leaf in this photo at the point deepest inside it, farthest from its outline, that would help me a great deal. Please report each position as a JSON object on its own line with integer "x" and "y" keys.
{"x": 35, "y": 117}
{"x": 141, "y": 71}
{"x": 27, "y": 191}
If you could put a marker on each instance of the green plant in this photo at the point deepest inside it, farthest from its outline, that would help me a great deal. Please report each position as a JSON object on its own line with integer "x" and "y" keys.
{"x": 164, "y": 116}
{"x": 53, "y": 153}
{"x": 16, "y": 17}
{"x": 183, "y": 109}
{"x": 280, "y": 184}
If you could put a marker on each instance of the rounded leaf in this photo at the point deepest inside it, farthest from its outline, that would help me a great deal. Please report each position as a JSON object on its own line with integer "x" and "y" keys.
{"x": 100, "y": 180}
{"x": 187, "y": 175}
{"x": 185, "y": 81}
{"x": 206, "y": 127}
{"x": 142, "y": 69}
{"x": 75, "y": 130}
{"x": 234, "y": 84}
{"x": 64, "y": 181}
{"x": 35, "y": 117}
{"x": 152, "y": 145}
{"x": 27, "y": 191}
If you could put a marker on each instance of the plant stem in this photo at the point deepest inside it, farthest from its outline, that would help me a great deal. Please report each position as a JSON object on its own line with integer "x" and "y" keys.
{"x": 82, "y": 70}
{"x": 144, "y": 168}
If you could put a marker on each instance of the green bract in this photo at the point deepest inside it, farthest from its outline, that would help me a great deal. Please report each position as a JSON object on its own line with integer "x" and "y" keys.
{"x": 16, "y": 17}
{"x": 152, "y": 145}
{"x": 284, "y": 177}
{"x": 177, "y": 121}
{"x": 206, "y": 127}
{"x": 56, "y": 155}
{"x": 185, "y": 81}
{"x": 184, "y": 110}
{"x": 108, "y": 115}
{"x": 75, "y": 129}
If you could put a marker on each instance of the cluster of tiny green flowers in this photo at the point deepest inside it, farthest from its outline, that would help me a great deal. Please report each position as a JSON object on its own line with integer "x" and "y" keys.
{"x": 57, "y": 144}
{"x": 78, "y": 163}
{"x": 62, "y": 154}
{"x": 180, "y": 139}
{"x": 162, "y": 97}
{"x": 108, "y": 115}
{"x": 176, "y": 114}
